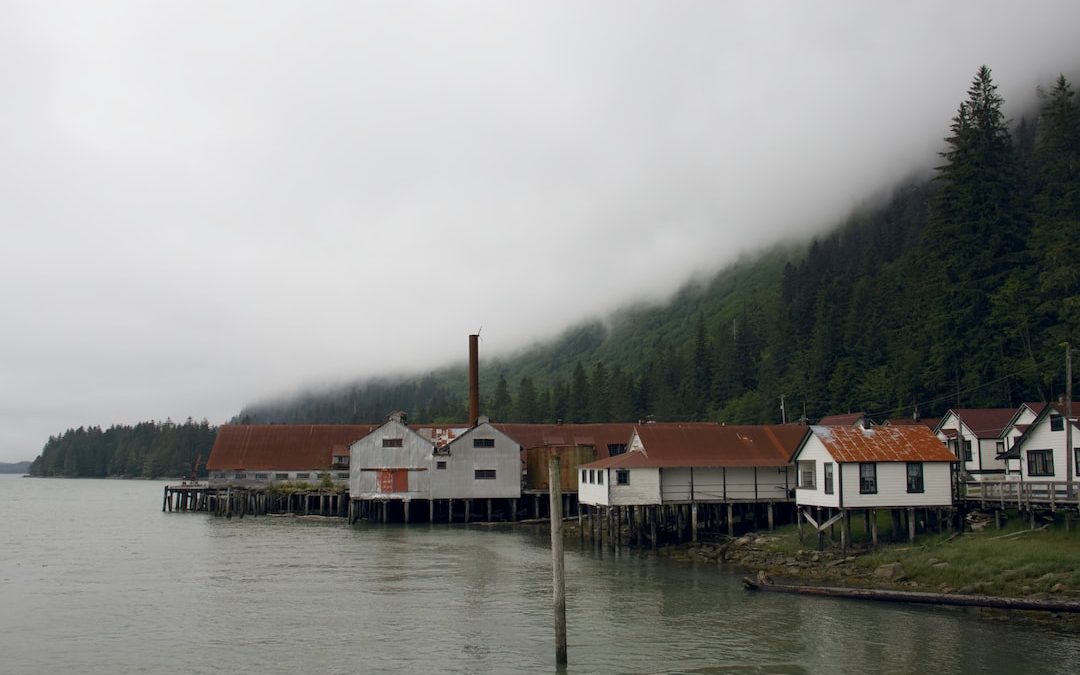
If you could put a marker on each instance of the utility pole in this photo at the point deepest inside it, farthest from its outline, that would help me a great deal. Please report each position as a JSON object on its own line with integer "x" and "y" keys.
{"x": 783, "y": 415}
{"x": 1069, "y": 452}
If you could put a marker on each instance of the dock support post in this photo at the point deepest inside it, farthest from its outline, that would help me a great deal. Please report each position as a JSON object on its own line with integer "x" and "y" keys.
{"x": 652, "y": 525}
{"x": 514, "y": 508}
{"x": 468, "y": 508}
{"x": 405, "y": 506}
{"x": 873, "y": 527}
{"x": 557, "y": 562}
{"x": 911, "y": 525}
{"x": 449, "y": 511}
{"x": 693, "y": 523}
{"x": 489, "y": 510}
{"x": 845, "y": 530}
{"x": 730, "y": 520}
{"x": 772, "y": 517}
{"x": 798, "y": 521}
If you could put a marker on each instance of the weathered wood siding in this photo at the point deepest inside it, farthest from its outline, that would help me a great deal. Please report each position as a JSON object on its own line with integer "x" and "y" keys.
{"x": 644, "y": 487}
{"x": 570, "y": 458}
{"x": 726, "y": 484}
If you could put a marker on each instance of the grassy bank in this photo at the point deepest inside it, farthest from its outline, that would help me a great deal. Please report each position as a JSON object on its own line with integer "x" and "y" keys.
{"x": 1012, "y": 561}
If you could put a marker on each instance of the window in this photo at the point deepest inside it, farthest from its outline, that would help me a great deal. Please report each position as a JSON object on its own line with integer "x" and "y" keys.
{"x": 484, "y": 474}
{"x": 1040, "y": 462}
{"x": 807, "y": 475}
{"x": 343, "y": 475}
{"x": 622, "y": 477}
{"x": 600, "y": 477}
{"x": 392, "y": 442}
{"x": 304, "y": 476}
{"x": 1057, "y": 423}
{"x": 341, "y": 460}
{"x": 441, "y": 464}
{"x": 281, "y": 476}
{"x": 584, "y": 477}
{"x": 241, "y": 475}
{"x": 828, "y": 478}
{"x": 592, "y": 476}
{"x": 1000, "y": 448}
{"x": 483, "y": 442}
{"x": 915, "y": 477}
{"x": 261, "y": 476}
{"x": 868, "y": 478}
{"x": 616, "y": 448}
{"x": 967, "y": 450}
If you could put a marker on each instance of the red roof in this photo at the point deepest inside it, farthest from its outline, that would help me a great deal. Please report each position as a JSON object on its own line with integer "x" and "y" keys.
{"x": 709, "y": 445}
{"x": 846, "y": 420}
{"x": 985, "y": 422}
{"x": 599, "y": 436}
{"x": 883, "y": 444}
{"x": 282, "y": 447}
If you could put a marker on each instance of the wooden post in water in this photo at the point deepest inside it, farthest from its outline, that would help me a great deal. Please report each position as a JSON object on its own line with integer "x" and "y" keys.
{"x": 557, "y": 567}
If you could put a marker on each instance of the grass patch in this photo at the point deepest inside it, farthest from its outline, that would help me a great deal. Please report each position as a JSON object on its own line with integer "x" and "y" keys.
{"x": 1033, "y": 562}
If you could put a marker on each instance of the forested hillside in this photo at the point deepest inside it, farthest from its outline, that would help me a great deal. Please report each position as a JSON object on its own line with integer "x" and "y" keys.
{"x": 147, "y": 450}
{"x": 959, "y": 291}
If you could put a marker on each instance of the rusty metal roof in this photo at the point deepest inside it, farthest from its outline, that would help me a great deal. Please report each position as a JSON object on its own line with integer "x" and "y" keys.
{"x": 282, "y": 447}
{"x": 709, "y": 445}
{"x": 599, "y": 436}
{"x": 883, "y": 444}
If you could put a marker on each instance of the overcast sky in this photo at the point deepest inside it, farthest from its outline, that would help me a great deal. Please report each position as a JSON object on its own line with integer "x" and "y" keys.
{"x": 206, "y": 204}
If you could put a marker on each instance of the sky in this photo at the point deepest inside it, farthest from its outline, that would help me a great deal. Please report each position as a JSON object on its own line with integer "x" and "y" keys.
{"x": 205, "y": 204}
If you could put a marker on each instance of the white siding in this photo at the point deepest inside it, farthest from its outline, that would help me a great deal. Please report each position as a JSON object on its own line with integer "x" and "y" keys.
{"x": 814, "y": 451}
{"x": 892, "y": 486}
{"x": 644, "y": 487}
{"x": 1040, "y": 437}
{"x": 592, "y": 492}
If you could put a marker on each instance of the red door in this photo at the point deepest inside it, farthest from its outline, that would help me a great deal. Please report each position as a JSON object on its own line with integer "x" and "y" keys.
{"x": 394, "y": 480}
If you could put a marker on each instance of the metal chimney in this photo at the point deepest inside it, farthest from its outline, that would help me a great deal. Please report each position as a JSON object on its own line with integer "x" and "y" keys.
{"x": 474, "y": 379}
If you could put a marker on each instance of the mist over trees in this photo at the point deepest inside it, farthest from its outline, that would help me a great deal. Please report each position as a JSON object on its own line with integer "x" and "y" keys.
{"x": 958, "y": 292}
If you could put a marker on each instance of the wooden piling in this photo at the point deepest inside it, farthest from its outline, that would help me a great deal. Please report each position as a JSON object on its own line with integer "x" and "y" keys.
{"x": 557, "y": 561}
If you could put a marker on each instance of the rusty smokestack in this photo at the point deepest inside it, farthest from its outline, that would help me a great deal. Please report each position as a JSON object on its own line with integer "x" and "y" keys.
{"x": 474, "y": 379}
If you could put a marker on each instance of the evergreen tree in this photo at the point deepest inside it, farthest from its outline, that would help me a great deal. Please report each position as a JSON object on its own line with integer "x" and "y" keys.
{"x": 501, "y": 403}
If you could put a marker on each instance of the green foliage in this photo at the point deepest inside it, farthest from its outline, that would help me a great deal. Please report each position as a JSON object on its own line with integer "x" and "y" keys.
{"x": 146, "y": 450}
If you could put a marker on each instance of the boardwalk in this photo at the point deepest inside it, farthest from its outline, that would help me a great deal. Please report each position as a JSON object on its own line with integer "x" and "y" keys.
{"x": 1024, "y": 494}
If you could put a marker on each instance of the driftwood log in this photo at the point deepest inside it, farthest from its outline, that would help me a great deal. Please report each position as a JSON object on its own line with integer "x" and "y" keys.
{"x": 916, "y": 597}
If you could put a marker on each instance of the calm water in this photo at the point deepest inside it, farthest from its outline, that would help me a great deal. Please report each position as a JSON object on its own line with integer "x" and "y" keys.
{"x": 95, "y": 579}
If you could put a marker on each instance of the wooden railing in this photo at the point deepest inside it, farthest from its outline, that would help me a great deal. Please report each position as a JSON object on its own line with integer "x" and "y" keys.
{"x": 1022, "y": 494}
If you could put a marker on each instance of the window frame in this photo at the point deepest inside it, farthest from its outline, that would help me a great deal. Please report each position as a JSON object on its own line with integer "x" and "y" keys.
{"x": 966, "y": 445}
{"x": 440, "y": 465}
{"x": 484, "y": 474}
{"x": 483, "y": 442}
{"x": 808, "y": 469}
{"x": 622, "y": 476}
{"x": 1057, "y": 423}
{"x": 1045, "y": 454}
{"x": 393, "y": 442}
{"x": 868, "y": 485}
{"x": 920, "y": 486}
{"x": 828, "y": 478}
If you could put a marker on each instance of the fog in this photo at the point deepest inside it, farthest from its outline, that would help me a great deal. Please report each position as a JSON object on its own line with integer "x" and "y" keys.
{"x": 205, "y": 204}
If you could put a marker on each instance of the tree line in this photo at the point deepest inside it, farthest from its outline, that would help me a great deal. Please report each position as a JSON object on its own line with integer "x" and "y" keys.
{"x": 145, "y": 450}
